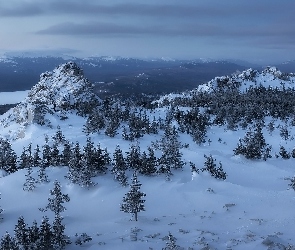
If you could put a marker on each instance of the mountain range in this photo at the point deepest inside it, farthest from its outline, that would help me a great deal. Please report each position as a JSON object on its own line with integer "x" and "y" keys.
{"x": 120, "y": 76}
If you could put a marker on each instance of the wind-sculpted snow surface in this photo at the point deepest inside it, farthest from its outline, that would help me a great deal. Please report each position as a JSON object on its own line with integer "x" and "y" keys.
{"x": 58, "y": 92}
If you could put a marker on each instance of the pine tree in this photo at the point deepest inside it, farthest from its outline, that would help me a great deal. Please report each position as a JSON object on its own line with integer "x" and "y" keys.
{"x": 283, "y": 153}
{"x": 46, "y": 155}
{"x": 21, "y": 234}
{"x": 45, "y": 235}
{"x": 86, "y": 174}
{"x": 253, "y": 145}
{"x": 57, "y": 199}
{"x": 60, "y": 240}
{"x": 43, "y": 177}
{"x": 37, "y": 161}
{"x": 148, "y": 163}
{"x": 133, "y": 157}
{"x": 112, "y": 126}
{"x": 94, "y": 123}
{"x": 29, "y": 184}
{"x": 132, "y": 201}
{"x": 170, "y": 147}
{"x": 34, "y": 235}
{"x": 171, "y": 244}
{"x": 66, "y": 154}
{"x": 284, "y": 132}
{"x": 26, "y": 158}
{"x": 8, "y": 157}
{"x": 55, "y": 203}
{"x": 89, "y": 159}
{"x": 8, "y": 243}
{"x": 55, "y": 156}
{"x": 74, "y": 173}
{"x": 58, "y": 138}
{"x": 210, "y": 166}
{"x": 100, "y": 160}
{"x": 119, "y": 166}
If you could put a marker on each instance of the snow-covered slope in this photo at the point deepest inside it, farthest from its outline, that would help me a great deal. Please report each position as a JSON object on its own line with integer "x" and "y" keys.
{"x": 269, "y": 77}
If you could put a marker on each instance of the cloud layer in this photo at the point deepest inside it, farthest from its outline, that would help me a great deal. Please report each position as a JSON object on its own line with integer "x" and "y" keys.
{"x": 265, "y": 23}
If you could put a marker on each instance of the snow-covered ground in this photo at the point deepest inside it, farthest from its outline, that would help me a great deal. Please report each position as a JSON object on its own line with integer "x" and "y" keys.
{"x": 13, "y": 97}
{"x": 252, "y": 209}
{"x": 238, "y": 213}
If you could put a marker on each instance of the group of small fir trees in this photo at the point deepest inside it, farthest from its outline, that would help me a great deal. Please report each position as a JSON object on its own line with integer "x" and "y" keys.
{"x": 46, "y": 236}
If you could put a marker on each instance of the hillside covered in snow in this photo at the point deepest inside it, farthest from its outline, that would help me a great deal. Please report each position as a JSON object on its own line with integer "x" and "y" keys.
{"x": 210, "y": 168}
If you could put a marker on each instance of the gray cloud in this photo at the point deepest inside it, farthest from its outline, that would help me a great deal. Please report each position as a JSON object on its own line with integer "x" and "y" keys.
{"x": 163, "y": 9}
{"x": 187, "y": 29}
{"x": 22, "y": 10}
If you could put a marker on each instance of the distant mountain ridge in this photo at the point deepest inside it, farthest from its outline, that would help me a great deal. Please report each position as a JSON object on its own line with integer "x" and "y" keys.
{"x": 117, "y": 75}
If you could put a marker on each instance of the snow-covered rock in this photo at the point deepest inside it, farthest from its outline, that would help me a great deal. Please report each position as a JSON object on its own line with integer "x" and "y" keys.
{"x": 269, "y": 77}
{"x": 58, "y": 92}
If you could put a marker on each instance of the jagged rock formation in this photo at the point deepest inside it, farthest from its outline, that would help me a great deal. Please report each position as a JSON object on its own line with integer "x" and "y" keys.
{"x": 63, "y": 90}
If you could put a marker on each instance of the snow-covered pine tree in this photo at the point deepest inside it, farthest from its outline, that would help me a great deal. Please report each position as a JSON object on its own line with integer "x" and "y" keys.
{"x": 29, "y": 184}
{"x": 45, "y": 235}
{"x": 148, "y": 162}
{"x": 42, "y": 175}
{"x": 112, "y": 126}
{"x": 27, "y": 162}
{"x": 94, "y": 122}
{"x": 46, "y": 154}
{"x": 119, "y": 166}
{"x": 34, "y": 235}
{"x": 21, "y": 234}
{"x": 100, "y": 160}
{"x": 8, "y": 243}
{"x": 170, "y": 147}
{"x": 58, "y": 138}
{"x": 8, "y": 157}
{"x": 132, "y": 201}
{"x": 37, "y": 161}
{"x": 133, "y": 158}
{"x": 60, "y": 239}
{"x": 171, "y": 243}
{"x": 86, "y": 174}
{"x": 210, "y": 166}
{"x": 55, "y": 156}
{"x": 26, "y": 158}
{"x": 74, "y": 173}
{"x": 283, "y": 153}
{"x": 89, "y": 157}
{"x": 153, "y": 127}
{"x": 284, "y": 132}
{"x": 253, "y": 145}
{"x": 57, "y": 199}
{"x": 66, "y": 154}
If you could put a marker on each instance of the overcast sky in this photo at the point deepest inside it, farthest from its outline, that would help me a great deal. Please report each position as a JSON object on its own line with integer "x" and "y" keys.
{"x": 253, "y": 30}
